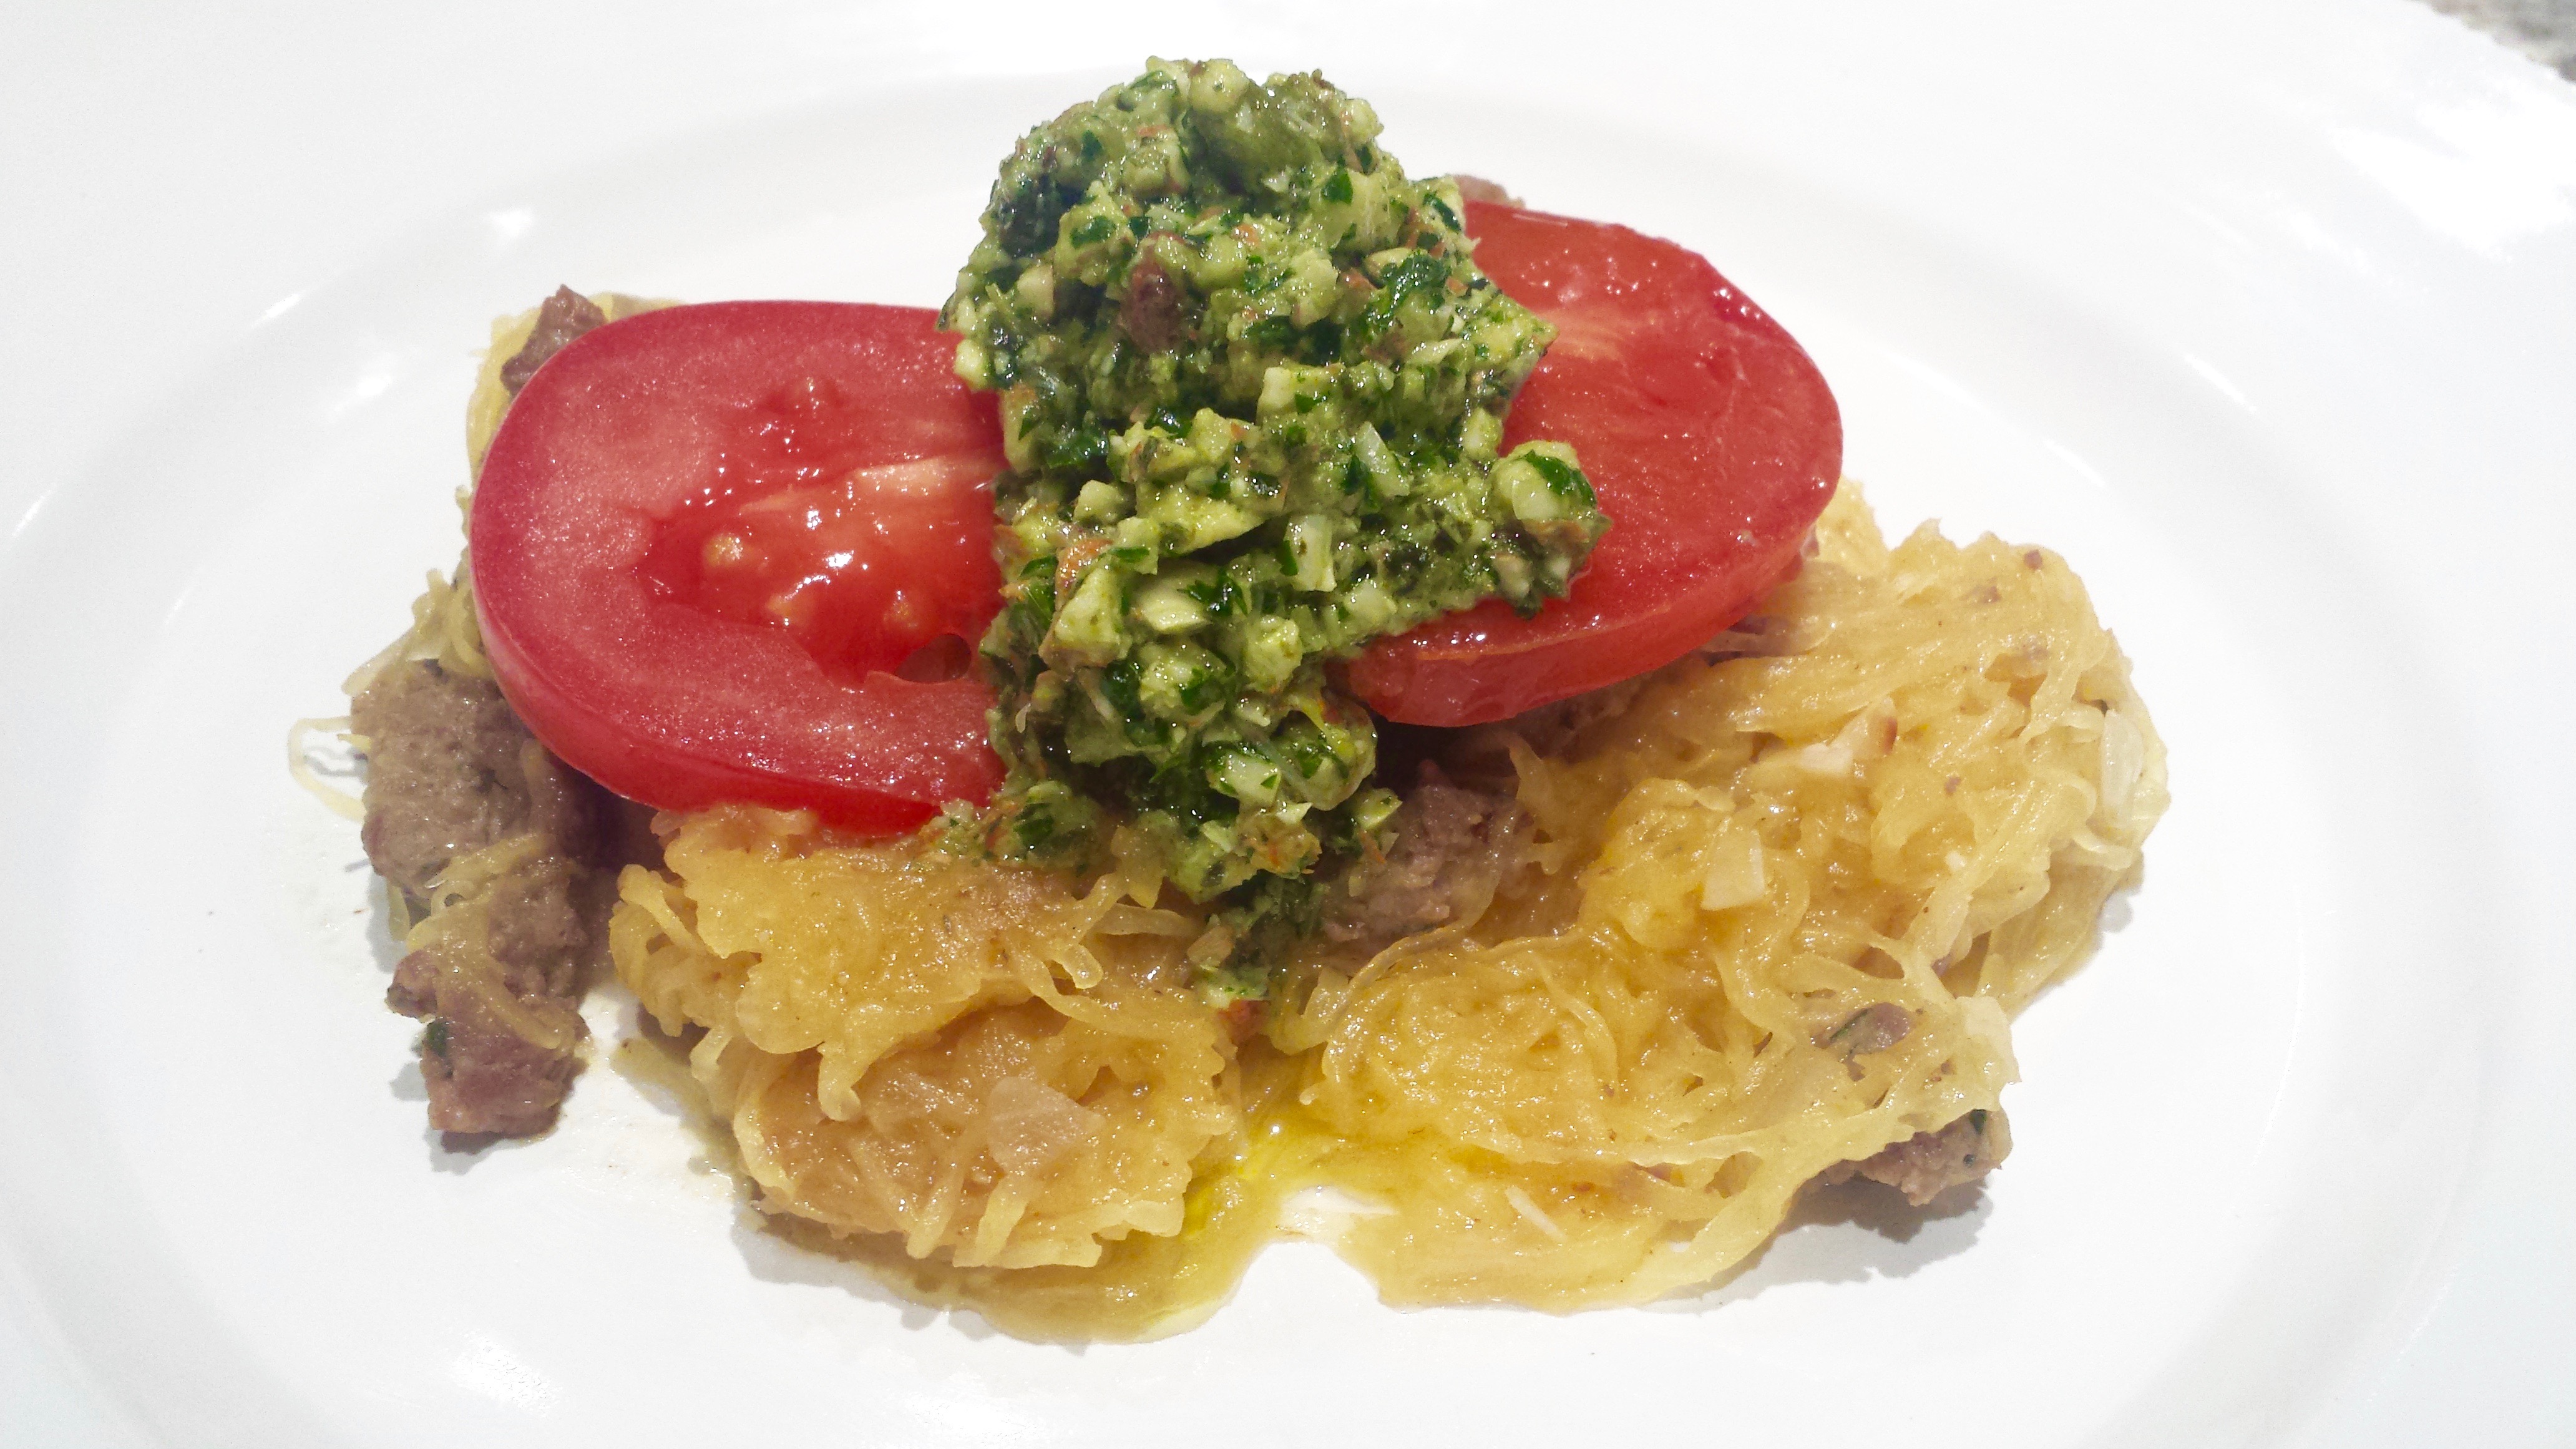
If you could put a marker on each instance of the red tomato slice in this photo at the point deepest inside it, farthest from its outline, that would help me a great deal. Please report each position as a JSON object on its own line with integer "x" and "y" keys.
{"x": 1710, "y": 437}
{"x": 706, "y": 538}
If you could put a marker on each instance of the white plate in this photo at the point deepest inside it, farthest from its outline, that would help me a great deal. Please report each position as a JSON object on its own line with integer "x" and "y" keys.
{"x": 2268, "y": 323}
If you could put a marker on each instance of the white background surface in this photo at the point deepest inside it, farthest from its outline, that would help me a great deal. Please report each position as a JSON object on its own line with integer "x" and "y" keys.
{"x": 2267, "y": 322}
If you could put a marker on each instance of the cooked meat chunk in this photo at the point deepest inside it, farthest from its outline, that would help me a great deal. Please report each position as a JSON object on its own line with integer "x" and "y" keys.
{"x": 1552, "y": 729}
{"x": 536, "y": 926}
{"x": 437, "y": 747}
{"x": 566, "y": 315}
{"x": 1453, "y": 847}
{"x": 495, "y": 1063}
{"x": 414, "y": 992}
{"x": 1874, "y": 1029}
{"x": 450, "y": 771}
{"x": 503, "y": 1037}
{"x": 1928, "y": 1164}
{"x": 452, "y": 776}
{"x": 1152, "y": 312}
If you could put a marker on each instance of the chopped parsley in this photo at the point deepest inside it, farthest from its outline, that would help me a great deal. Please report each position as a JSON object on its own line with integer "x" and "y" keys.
{"x": 1252, "y": 392}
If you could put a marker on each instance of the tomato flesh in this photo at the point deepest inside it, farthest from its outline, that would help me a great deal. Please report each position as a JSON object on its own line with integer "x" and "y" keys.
{"x": 731, "y": 552}
{"x": 862, "y": 566}
{"x": 710, "y": 543}
{"x": 1710, "y": 437}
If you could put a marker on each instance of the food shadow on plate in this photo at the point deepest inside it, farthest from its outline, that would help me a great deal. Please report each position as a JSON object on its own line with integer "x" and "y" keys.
{"x": 1849, "y": 1232}
{"x": 2118, "y": 911}
{"x": 458, "y": 1153}
{"x": 384, "y": 945}
{"x": 777, "y": 1249}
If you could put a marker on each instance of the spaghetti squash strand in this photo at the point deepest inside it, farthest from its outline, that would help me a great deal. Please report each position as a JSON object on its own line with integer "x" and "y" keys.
{"x": 1780, "y": 908}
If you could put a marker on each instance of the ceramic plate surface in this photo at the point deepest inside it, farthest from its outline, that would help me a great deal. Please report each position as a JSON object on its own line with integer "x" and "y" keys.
{"x": 2268, "y": 325}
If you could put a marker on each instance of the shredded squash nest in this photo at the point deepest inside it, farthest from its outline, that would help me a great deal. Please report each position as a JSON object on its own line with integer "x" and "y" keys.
{"x": 996, "y": 1067}
{"x": 1607, "y": 1086}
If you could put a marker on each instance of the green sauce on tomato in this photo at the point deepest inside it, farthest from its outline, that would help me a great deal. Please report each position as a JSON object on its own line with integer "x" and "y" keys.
{"x": 1252, "y": 392}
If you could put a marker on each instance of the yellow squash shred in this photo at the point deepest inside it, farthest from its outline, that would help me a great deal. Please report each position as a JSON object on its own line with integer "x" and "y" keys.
{"x": 1607, "y": 1086}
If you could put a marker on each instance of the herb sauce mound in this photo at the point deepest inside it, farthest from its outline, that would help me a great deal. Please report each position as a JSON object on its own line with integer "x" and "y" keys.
{"x": 1252, "y": 392}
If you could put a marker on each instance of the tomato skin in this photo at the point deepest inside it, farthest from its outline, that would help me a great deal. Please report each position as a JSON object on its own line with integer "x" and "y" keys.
{"x": 1708, "y": 434}
{"x": 651, "y": 692}
{"x": 1711, "y": 438}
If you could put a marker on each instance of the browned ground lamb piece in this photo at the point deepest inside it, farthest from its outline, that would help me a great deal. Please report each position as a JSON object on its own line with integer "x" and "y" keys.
{"x": 1453, "y": 846}
{"x": 496, "y": 1062}
{"x": 566, "y": 315}
{"x": 1928, "y": 1164}
{"x": 450, "y": 771}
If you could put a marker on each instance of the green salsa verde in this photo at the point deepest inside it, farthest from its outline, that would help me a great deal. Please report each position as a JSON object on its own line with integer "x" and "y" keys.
{"x": 1252, "y": 396}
